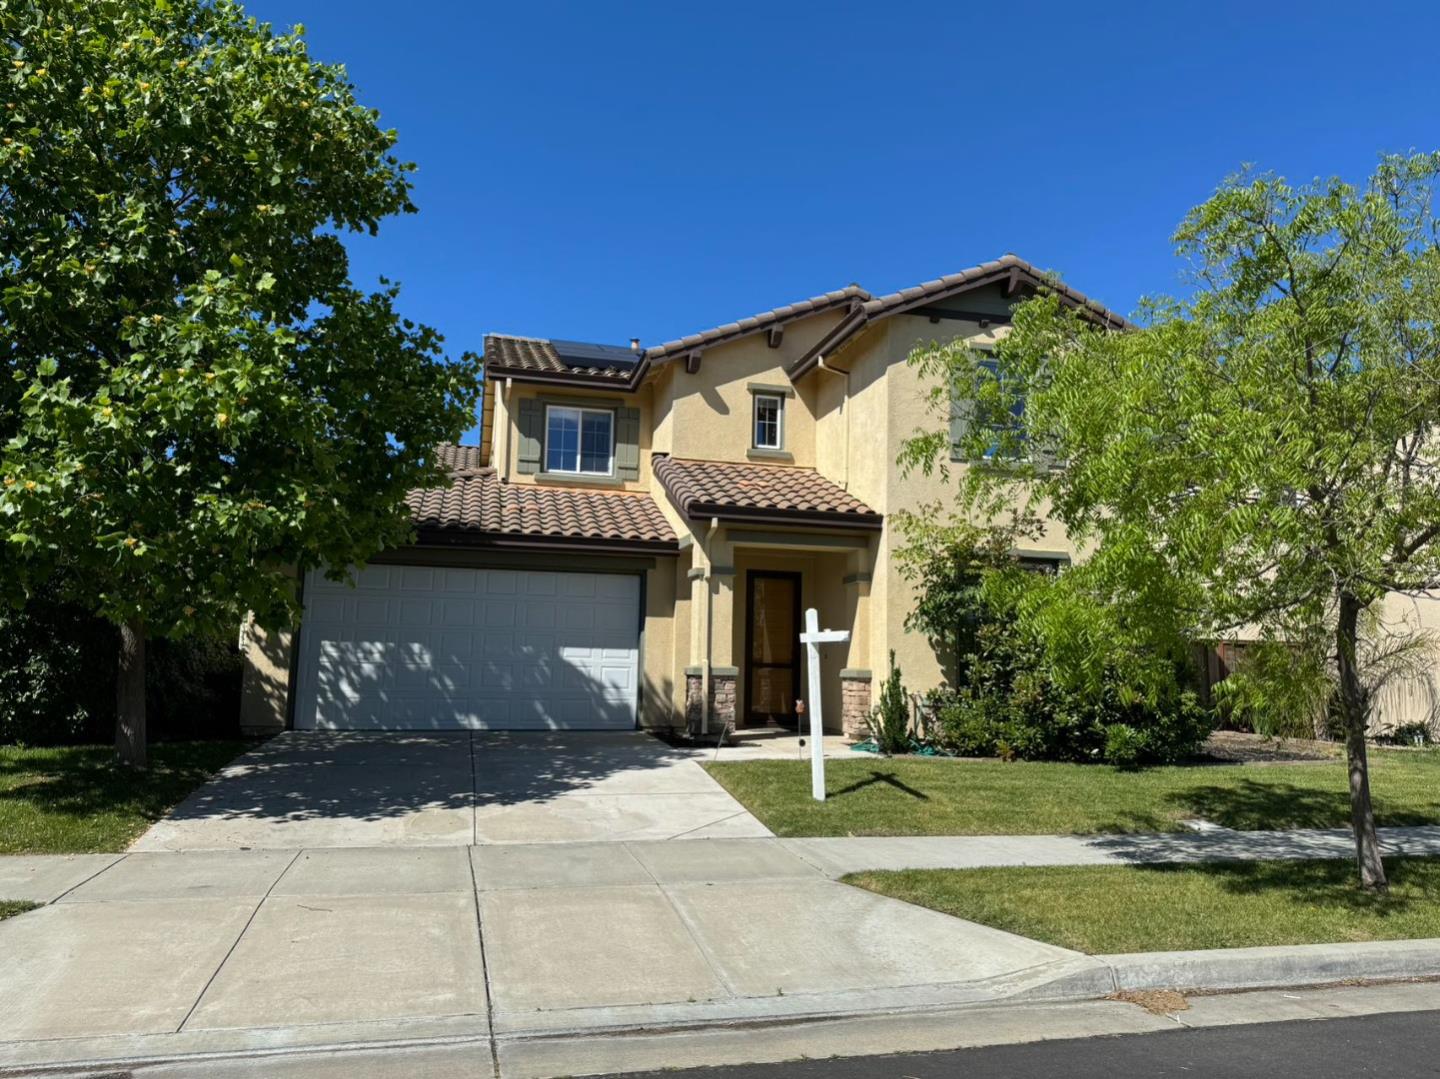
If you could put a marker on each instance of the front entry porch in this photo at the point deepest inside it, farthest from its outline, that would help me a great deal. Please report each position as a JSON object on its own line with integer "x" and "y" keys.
{"x": 751, "y": 599}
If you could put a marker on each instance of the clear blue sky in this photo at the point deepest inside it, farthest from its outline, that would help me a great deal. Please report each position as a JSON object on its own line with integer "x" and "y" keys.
{"x": 601, "y": 170}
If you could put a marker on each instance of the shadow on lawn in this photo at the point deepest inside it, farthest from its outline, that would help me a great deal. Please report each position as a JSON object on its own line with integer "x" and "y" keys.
{"x": 1414, "y": 883}
{"x": 889, "y": 779}
{"x": 1248, "y": 806}
{"x": 80, "y": 782}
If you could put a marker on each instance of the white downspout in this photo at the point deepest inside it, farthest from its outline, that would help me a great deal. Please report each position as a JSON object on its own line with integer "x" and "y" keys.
{"x": 709, "y": 630}
{"x": 505, "y": 457}
{"x": 844, "y": 411}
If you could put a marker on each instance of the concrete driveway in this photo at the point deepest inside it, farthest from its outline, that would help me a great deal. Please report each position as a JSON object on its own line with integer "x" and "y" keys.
{"x": 318, "y": 789}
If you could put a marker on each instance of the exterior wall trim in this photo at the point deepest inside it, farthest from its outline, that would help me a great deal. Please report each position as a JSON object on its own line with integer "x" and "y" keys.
{"x": 744, "y": 537}
{"x": 460, "y": 557}
{"x": 770, "y": 390}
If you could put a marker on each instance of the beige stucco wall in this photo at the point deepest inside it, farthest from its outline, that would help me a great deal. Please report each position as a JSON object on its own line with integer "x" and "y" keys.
{"x": 887, "y": 403}
{"x": 707, "y": 415}
{"x": 265, "y": 681}
{"x": 658, "y": 662}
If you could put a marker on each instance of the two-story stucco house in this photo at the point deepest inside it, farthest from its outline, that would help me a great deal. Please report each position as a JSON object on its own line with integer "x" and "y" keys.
{"x": 636, "y": 535}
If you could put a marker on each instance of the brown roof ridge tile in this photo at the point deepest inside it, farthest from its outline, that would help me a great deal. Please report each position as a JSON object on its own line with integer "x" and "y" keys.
{"x": 1007, "y": 266}
{"x": 753, "y": 323}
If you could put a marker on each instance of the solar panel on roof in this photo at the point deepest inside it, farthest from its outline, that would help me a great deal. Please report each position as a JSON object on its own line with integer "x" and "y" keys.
{"x": 584, "y": 354}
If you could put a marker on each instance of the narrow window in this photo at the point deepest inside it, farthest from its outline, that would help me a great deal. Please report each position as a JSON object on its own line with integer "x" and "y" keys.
{"x": 769, "y": 421}
{"x": 579, "y": 441}
{"x": 1046, "y": 565}
{"x": 1016, "y": 420}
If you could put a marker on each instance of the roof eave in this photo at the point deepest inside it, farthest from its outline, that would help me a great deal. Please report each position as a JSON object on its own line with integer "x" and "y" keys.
{"x": 704, "y": 511}
{"x": 563, "y": 378}
{"x": 459, "y": 536}
{"x": 1009, "y": 271}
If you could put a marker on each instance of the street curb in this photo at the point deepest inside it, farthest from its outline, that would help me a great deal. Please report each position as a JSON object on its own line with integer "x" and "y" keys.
{"x": 1276, "y": 967}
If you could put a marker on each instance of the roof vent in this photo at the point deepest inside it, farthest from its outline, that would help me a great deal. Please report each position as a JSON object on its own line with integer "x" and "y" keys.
{"x": 634, "y": 344}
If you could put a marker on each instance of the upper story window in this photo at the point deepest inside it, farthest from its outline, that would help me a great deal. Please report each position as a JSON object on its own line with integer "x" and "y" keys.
{"x": 1047, "y": 565}
{"x": 580, "y": 441}
{"x": 1015, "y": 423}
{"x": 769, "y": 421}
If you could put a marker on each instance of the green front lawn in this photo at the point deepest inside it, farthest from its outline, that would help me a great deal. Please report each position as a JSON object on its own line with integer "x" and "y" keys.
{"x": 1110, "y": 909}
{"x": 75, "y": 799}
{"x": 934, "y": 796}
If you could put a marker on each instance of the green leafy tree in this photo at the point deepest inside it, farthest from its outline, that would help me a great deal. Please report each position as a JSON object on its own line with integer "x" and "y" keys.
{"x": 946, "y": 562}
{"x": 194, "y": 395}
{"x": 1263, "y": 453}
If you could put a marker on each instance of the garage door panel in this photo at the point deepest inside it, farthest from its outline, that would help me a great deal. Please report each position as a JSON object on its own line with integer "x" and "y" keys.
{"x": 369, "y": 611}
{"x": 423, "y": 648}
{"x": 368, "y": 579}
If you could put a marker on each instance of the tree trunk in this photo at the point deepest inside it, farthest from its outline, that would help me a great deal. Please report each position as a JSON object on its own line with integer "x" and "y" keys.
{"x": 1355, "y": 712}
{"x": 130, "y": 741}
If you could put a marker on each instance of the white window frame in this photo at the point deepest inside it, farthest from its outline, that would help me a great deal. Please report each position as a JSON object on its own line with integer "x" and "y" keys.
{"x": 779, "y": 399}
{"x": 580, "y": 412}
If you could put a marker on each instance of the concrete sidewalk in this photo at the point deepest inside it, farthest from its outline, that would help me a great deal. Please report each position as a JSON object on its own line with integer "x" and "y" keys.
{"x": 45, "y": 878}
{"x": 852, "y": 854}
{"x": 158, "y": 953}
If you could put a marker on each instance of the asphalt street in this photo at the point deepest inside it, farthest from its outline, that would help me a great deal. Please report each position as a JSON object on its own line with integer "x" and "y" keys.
{"x": 1401, "y": 1046}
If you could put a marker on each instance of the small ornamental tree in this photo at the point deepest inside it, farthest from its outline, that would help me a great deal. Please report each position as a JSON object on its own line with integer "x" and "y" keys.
{"x": 1265, "y": 453}
{"x": 889, "y": 720}
{"x": 194, "y": 397}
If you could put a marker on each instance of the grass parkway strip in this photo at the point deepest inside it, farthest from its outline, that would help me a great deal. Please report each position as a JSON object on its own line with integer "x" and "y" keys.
{"x": 1108, "y": 909}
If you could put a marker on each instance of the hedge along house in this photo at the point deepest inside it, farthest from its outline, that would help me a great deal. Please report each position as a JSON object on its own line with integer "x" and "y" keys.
{"x": 636, "y": 535}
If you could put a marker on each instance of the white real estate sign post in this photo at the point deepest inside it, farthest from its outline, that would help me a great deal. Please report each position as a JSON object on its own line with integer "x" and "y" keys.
{"x": 812, "y": 639}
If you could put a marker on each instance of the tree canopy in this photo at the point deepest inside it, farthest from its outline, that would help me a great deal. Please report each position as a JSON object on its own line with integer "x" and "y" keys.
{"x": 1259, "y": 454}
{"x": 193, "y": 393}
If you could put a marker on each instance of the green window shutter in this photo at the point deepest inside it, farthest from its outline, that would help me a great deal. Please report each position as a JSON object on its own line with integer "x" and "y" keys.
{"x": 530, "y": 424}
{"x": 627, "y": 443}
{"x": 961, "y": 408}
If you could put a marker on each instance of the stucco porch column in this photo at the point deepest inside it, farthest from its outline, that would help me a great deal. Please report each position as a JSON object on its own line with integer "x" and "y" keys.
{"x": 856, "y": 676}
{"x": 712, "y": 663}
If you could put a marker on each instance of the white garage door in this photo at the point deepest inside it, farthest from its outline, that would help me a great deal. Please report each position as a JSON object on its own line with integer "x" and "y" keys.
{"x": 420, "y": 648}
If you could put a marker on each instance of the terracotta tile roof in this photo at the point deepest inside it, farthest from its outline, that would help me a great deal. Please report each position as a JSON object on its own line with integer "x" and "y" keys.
{"x": 621, "y": 368}
{"x": 987, "y": 271}
{"x": 726, "y": 489}
{"x": 839, "y": 298}
{"x": 1006, "y": 268}
{"x": 477, "y": 506}
{"x": 534, "y": 356}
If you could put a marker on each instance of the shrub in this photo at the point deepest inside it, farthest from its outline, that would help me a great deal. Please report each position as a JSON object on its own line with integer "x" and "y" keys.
{"x": 1054, "y": 676}
{"x": 889, "y": 720}
{"x": 57, "y": 680}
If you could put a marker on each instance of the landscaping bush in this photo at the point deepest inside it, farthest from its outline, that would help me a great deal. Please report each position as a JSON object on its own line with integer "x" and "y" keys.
{"x": 889, "y": 721}
{"x": 57, "y": 680}
{"x": 1045, "y": 672}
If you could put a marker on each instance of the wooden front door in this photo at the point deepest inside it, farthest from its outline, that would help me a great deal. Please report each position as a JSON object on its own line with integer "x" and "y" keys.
{"x": 772, "y": 648}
